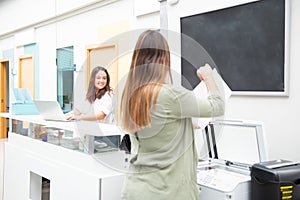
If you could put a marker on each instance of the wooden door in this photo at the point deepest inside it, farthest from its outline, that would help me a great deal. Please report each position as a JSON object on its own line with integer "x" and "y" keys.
{"x": 104, "y": 56}
{"x": 26, "y": 73}
{"x": 3, "y": 96}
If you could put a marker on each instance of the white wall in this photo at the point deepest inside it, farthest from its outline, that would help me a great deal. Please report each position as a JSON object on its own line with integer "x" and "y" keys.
{"x": 22, "y": 13}
{"x": 46, "y": 38}
{"x": 278, "y": 113}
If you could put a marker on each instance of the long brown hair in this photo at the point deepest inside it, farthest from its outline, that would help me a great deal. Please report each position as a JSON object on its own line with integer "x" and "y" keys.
{"x": 91, "y": 94}
{"x": 148, "y": 70}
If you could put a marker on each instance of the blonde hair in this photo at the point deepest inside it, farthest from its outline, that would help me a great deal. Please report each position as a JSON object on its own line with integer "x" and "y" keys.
{"x": 148, "y": 70}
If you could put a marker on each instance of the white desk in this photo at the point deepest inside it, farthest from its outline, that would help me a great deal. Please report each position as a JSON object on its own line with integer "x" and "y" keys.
{"x": 72, "y": 174}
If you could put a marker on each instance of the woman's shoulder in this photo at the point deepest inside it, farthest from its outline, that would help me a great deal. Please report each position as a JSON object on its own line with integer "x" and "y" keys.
{"x": 168, "y": 89}
{"x": 109, "y": 94}
{"x": 172, "y": 92}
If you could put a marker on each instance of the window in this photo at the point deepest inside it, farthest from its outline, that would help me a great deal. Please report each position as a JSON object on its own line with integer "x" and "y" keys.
{"x": 65, "y": 77}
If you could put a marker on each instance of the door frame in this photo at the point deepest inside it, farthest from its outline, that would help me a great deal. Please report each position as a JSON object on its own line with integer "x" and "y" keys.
{"x": 3, "y": 103}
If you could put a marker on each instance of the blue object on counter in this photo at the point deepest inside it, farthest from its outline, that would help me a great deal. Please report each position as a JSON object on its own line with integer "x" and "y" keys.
{"x": 22, "y": 103}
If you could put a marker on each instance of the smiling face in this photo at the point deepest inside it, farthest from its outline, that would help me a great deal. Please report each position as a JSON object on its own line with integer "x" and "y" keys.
{"x": 100, "y": 80}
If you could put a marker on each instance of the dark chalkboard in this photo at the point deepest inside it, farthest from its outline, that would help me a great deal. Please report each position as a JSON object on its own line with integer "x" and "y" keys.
{"x": 246, "y": 43}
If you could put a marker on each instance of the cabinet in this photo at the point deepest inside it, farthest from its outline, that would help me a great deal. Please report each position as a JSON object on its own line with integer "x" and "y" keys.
{"x": 79, "y": 160}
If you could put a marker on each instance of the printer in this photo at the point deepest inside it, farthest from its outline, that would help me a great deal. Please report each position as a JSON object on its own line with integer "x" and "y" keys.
{"x": 231, "y": 148}
{"x": 276, "y": 179}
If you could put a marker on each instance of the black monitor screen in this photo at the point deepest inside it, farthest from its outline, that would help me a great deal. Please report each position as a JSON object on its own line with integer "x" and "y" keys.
{"x": 246, "y": 43}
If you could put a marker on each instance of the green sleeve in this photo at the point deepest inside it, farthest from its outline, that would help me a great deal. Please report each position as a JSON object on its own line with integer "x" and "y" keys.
{"x": 181, "y": 103}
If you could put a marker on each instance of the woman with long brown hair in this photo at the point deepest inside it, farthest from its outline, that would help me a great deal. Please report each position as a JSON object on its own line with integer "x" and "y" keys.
{"x": 158, "y": 117}
{"x": 99, "y": 97}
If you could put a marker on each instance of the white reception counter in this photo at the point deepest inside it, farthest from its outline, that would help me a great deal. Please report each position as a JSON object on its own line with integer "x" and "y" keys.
{"x": 73, "y": 172}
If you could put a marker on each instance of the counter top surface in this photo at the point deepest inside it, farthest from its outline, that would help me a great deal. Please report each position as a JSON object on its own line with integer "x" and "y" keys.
{"x": 78, "y": 127}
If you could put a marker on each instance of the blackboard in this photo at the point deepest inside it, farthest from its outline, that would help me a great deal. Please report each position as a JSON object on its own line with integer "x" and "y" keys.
{"x": 246, "y": 43}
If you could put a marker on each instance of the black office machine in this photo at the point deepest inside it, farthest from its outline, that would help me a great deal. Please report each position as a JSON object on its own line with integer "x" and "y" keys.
{"x": 275, "y": 180}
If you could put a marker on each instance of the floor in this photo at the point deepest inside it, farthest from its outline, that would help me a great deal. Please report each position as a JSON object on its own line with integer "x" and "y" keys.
{"x": 1, "y": 166}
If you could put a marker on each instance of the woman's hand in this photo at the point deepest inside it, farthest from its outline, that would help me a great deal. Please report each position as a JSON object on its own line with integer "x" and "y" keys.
{"x": 70, "y": 116}
{"x": 196, "y": 126}
{"x": 204, "y": 72}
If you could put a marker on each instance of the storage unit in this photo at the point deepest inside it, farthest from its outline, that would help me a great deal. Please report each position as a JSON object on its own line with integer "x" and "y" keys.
{"x": 275, "y": 180}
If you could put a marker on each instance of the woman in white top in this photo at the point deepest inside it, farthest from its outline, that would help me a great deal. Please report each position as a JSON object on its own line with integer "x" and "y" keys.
{"x": 99, "y": 97}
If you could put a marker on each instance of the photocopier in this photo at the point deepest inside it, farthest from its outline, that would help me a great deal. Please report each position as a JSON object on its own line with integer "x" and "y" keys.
{"x": 227, "y": 149}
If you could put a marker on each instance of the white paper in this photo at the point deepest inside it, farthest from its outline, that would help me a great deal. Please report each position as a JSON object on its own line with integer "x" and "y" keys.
{"x": 201, "y": 90}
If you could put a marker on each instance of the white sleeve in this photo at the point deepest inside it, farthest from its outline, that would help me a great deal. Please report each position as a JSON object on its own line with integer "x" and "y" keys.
{"x": 105, "y": 104}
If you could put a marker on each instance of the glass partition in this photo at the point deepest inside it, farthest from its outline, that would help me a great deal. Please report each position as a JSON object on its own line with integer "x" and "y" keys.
{"x": 66, "y": 138}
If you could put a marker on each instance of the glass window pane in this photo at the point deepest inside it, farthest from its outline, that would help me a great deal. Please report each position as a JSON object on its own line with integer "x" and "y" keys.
{"x": 65, "y": 77}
